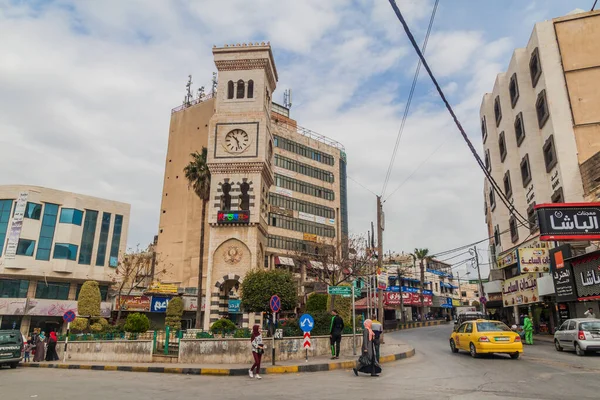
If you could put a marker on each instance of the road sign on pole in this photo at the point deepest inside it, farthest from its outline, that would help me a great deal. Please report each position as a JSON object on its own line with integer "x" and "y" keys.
{"x": 307, "y": 340}
{"x": 69, "y": 316}
{"x": 340, "y": 290}
{"x": 275, "y": 303}
{"x": 307, "y": 323}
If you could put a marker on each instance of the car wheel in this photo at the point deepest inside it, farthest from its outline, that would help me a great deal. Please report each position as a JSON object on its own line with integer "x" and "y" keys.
{"x": 14, "y": 365}
{"x": 515, "y": 356}
{"x": 578, "y": 350}
{"x": 473, "y": 350}
{"x": 557, "y": 346}
{"x": 453, "y": 346}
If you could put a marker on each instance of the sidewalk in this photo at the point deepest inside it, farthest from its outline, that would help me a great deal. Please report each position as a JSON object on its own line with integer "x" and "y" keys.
{"x": 391, "y": 351}
{"x": 543, "y": 338}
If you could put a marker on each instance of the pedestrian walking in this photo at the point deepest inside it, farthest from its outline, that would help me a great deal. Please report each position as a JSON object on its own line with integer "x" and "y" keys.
{"x": 528, "y": 328}
{"x": 367, "y": 362}
{"x": 377, "y": 328}
{"x": 336, "y": 328}
{"x": 51, "y": 354}
{"x": 590, "y": 313}
{"x": 40, "y": 348}
{"x": 258, "y": 349}
{"x": 28, "y": 347}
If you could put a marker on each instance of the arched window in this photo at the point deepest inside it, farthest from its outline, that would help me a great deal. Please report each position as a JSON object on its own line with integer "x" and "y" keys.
{"x": 240, "y": 89}
{"x": 230, "y": 90}
{"x": 250, "y": 89}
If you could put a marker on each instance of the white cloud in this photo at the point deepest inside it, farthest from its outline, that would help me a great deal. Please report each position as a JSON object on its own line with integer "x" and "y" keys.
{"x": 451, "y": 52}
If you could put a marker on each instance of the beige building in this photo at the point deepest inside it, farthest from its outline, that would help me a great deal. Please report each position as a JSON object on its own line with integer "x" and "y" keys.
{"x": 50, "y": 243}
{"x": 276, "y": 188}
{"x": 541, "y": 125}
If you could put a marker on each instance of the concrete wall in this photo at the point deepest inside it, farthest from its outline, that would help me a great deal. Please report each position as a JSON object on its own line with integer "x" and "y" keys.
{"x": 108, "y": 351}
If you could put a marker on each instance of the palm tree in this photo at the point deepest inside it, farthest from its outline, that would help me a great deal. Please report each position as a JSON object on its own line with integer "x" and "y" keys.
{"x": 198, "y": 176}
{"x": 422, "y": 255}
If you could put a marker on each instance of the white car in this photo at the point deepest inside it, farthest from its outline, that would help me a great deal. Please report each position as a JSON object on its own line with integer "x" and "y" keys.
{"x": 580, "y": 334}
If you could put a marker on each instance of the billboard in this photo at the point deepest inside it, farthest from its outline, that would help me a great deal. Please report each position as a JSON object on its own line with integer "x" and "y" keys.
{"x": 14, "y": 232}
{"x": 569, "y": 221}
{"x": 536, "y": 259}
{"x": 562, "y": 274}
{"x": 520, "y": 290}
{"x": 586, "y": 273}
{"x": 135, "y": 303}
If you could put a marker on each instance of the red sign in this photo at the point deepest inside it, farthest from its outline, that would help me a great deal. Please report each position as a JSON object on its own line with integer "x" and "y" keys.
{"x": 409, "y": 299}
{"x": 306, "y": 340}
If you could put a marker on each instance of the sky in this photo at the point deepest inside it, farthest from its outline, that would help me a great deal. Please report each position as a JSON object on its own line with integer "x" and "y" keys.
{"x": 86, "y": 89}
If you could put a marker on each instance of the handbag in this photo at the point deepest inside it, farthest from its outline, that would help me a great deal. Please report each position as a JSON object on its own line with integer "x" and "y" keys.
{"x": 260, "y": 350}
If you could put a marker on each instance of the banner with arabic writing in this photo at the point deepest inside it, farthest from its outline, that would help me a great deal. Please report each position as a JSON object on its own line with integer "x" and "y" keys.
{"x": 520, "y": 290}
{"x": 569, "y": 221}
{"x": 586, "y": 271}
{"x": 562, "y": 274}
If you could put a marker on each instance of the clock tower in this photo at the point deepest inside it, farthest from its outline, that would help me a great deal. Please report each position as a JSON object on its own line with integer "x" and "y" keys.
{"x": 240, "y": 153}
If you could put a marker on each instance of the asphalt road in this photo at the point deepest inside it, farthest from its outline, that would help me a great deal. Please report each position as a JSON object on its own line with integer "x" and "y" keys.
{"x": 433, "y": 373}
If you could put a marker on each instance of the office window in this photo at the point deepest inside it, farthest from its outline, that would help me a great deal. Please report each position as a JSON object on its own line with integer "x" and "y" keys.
{"x": 116, "y": 241}
{"x": 88, "y": 236}
{"x": 71, "y": 216}
{"x": 103, "y": 292}
{"x": 65, "y": 251}
{"x": 519, "y": 129}
{"x": 47, "y": 232}
{"x": 497, "y": 110}
{"x": 507, "y": 184}
{"x": 14, "y": 288}
{"x": 541, "y": 109}
{"x": 550, "y": 154}
{"x": 535, "y": 67}
{"x": 492, "y": 197}
{"x": 5, "y": 208}
{"x": 488, "y": 164}
{"x": 290, "y": 203}
{"x": 525, "y": 170}
{"x": 502, "y": 146}
{"x": 300, "y": 225}
{"x": 302, "y": 150}
{"x": 33, "y": 211}
{"x": 303, "y": 187}
{"x": 25, "y": 247}
{"x": 514, "y": 230}
{"x": 513, "y": 89}
{"x": 497, "y": 235}
{"x": 483, "y": 129}
{"x": 103, "y": 242}
{"x": 52, "y": 290}
{"x": 532, "y": 218}
{"x": 303, "y": 169}
{"x": 557, "y": 196}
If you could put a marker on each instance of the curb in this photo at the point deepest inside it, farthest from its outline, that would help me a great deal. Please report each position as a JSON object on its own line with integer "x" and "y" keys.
{"x": 413, "y": 325}
{"x": 223, "y": 371}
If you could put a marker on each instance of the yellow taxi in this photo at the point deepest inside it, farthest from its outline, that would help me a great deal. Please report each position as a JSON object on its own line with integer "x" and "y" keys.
{"x": 484, "y": 337}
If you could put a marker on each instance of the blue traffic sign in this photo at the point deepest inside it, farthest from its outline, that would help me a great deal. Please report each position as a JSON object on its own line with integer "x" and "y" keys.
{"x": 275, "y": 303}
{"x": 69, "y": 316}
{"x": 307, "y": 323}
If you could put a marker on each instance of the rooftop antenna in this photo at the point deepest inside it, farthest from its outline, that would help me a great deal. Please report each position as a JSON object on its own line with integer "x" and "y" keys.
{"x": 201, "y": 93}
{"x": 287, "y": 98}
{"x": 214, "y": 84}
{"x": 188, "y": 95}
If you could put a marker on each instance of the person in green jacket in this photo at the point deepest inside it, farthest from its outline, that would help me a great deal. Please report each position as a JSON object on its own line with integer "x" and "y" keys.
{"x": 528, "y": 328}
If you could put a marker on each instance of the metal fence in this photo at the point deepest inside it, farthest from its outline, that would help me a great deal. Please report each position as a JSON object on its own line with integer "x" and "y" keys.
{"x": 82, "y": 337}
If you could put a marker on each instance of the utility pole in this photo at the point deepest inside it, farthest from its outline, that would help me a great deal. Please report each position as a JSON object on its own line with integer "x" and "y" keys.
{"x": 381, "y": 316}
{"x": 481, "y": 293}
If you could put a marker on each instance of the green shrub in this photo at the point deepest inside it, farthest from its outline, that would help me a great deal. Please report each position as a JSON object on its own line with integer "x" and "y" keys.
{"x": 137, "y": 323}
{"x": 259, "y": 285}
{"x": 292, "y": 328}
{"x": 174, "y": 313}
{"x": 88, "y": 302}
{"x": 242, "y": 333}
{"x": 79, "y": 324}
{"x": 316, "y": 302}
{"x": 96, "y": 327}
{"x": 223, "y": 326}
{"x": 204, "y": 335}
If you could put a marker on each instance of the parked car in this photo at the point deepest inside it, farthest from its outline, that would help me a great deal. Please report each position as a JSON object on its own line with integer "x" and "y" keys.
{"x": 11, "y": 348}
{"x": 580, "y": 334}
{"x": 485, "y": 337}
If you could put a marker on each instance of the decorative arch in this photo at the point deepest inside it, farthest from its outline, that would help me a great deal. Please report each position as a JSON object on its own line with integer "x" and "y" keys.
{"x": 230, "y": 90}
{"x": 241, "y": 89}
{"x": 250, "y": 89}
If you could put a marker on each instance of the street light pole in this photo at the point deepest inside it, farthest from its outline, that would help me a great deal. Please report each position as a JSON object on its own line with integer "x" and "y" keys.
{"x": 481, "y": 293}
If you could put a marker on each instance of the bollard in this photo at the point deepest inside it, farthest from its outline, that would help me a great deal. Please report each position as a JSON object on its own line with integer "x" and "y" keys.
{"x": 154, "y": 336}
{"x": 167, "y": 333}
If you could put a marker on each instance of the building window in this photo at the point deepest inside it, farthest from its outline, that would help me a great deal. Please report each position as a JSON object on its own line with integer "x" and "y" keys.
{"x": 290, "y": 203}
{"x": 88, "y": 236}
{"x": 71, "y": 216}
{"x": 525, "y": 170}
{"x": 557, "y": 196}
{"x": 102, "y": 243}
{"x": 5, "y": 208}
{"x": 535, "y": 67}
{"x": 230, "y": 90}
{"x": 507, "y": 185}
{"x": 300, "y": 225}
{"x": 52, "y": 290}
{"x": 250, "y": 89}
{"x": 25, "y": 247}
{"x": 303, "y": 187}
{"x": 502, "y": 146}
{"x": 492, "y": 197}
{"x": 497, "y": 110}
{"x": 65, "y": 251}
{"x": 304, "y": 151}
{"x": 550, "y": 154}
{"x": 33, "y": 211}
{"x": 532, "y": 218}
{"x": 240, "y": 89}
{"x": 303, "y": 169}
{"x": 488, "y": 164}
{"x": 514, "y": 230}
{"x": 14, "y": 288}
{"x": 541, "y": 109}
{"x": 116, "y": 241}
{"x": 103, "y": 292}
{"x": 497, "y": 235}
{"x": 483, "y": 129}
{"x": 286, "y": 243}
{"x": 47, "y": 232}
{"x": 519, "y": 129}
{"x": 513, "y": 89}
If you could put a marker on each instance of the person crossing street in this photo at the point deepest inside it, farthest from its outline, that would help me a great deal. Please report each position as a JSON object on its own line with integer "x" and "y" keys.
{"x": 336, "y": 329}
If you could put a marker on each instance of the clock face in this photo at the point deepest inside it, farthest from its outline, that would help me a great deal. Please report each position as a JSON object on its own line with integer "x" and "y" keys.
{"x": 237, "y": 141}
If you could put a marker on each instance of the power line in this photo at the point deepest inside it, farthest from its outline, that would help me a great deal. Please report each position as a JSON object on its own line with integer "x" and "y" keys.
{"x": 408, "y": 102}
{"x": 361, "y": 185}
{"x": 458, "y": 255}
{"x": 594, "y": 6}
{"x": 491, "y": 180}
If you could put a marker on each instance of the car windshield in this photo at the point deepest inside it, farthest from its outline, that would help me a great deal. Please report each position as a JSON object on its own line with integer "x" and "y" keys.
{"x": 590, "y": 326}
{"x": 491, "y": 327}
{"x": 8, "y": 338}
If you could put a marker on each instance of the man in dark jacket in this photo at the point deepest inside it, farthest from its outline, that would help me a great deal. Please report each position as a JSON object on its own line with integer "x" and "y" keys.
{"x": 335, "y": 334}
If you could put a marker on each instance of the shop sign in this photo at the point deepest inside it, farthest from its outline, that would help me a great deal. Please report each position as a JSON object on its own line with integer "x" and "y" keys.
{"x": 14, "y": 232}
{"x": 190, "y": 303}
{"x": 283, "y": 191}
{"x": 586, "y": 271}
{"x": 494, "y": 296}
{"x": 281, "y": 211}
{"x": 233, "y": 217}
{"x": 563, "y": 312}
{"x": 562, "y": 274}
{"x": 508, "y": 259}
{"x": 159, "y": 304}
{"x": 310, "y": 237}
{"x": 569, "y": 221}
{"x": 415, "y": 299}
{"x": 306, "y": 216}
{"x": 50, "y": 308}
{"x": 392, "y": 299}
{"x": 165, "y": 288}
{"x": 447, "y": 303}
{"x": 534, "y": 260}
{"x": 520, "y": 290}
{"x": 436, "y": 272}
{"x": 234, "y": 306}
{"x": 456, "y": 303}
{"x": 12, "y": 306}
{"x": 135, "y": 303}
{"x": 320, "y": 220}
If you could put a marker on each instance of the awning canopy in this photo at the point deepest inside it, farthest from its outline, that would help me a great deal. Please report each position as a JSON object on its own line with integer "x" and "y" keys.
{"x": 284, "y": 261}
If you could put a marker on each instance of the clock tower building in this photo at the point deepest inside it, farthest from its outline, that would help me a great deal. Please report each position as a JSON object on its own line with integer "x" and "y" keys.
{"x": 240, "y": 155}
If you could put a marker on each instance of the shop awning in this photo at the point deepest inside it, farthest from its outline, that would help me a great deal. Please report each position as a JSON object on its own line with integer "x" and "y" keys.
{"x": 284, "y": 261}
{"x": 446, "y": 285}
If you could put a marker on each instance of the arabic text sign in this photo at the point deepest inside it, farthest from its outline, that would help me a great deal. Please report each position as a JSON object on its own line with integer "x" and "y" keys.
{"x": 233, "y": 306}
{"x": 586, "y": 273}
{"x": 159, "y": 304}
{"x": 562, "y": 273}
{"x": 12, "y": 306}
{"x": 520, "y": 290}
{"x": 508, "y": 259}
{"x": 135, "y": 303}
{"x": 535, "y": 259}
{"x": 569, "y": 221}
{"x": 15, "y": 227}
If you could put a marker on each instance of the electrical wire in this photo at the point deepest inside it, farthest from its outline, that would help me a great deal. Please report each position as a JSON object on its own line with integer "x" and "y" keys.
{"x": 458, "y": 255}
{"x": 361, "y": 185}
{"x": 594, "y": 6}
{"x": 491, "y": 179}
{"x": 409, "y": 101}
